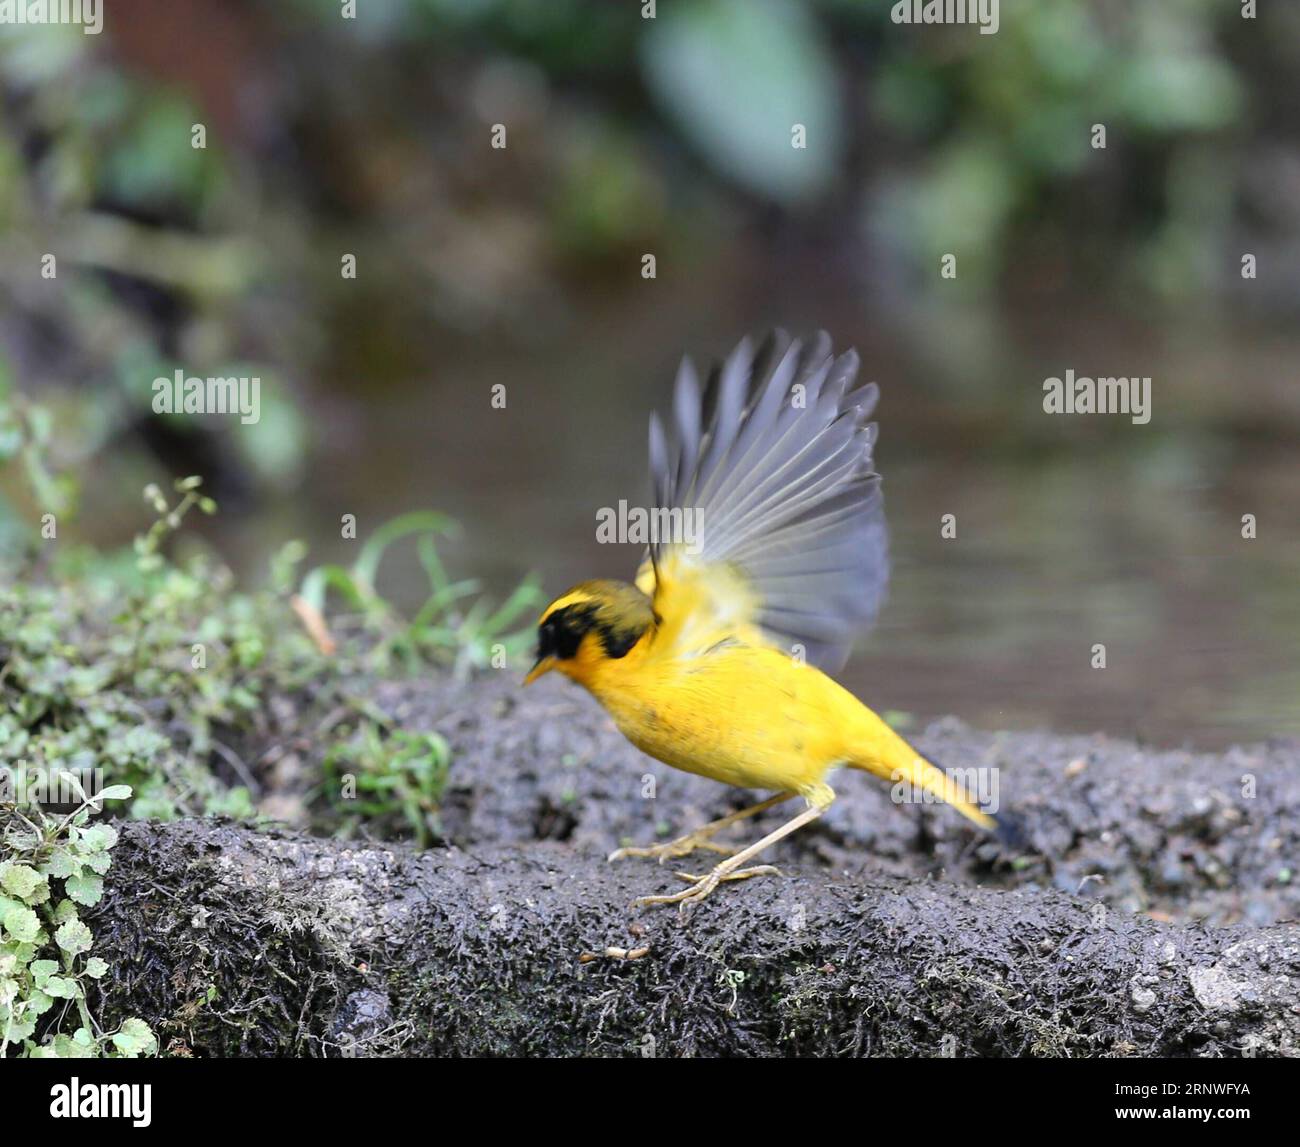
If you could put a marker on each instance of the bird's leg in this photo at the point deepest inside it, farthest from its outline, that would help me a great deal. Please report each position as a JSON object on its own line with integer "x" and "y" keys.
{"x": 700, "y": 838}
{"x": 730, "y": 869}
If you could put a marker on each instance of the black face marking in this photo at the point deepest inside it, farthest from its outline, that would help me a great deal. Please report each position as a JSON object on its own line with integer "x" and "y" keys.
{"x": 560, "y": 634}
{"x": 618, "y": 642}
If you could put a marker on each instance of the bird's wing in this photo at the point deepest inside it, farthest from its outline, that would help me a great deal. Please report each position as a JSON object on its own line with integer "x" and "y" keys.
{"x": 773, "y": 467}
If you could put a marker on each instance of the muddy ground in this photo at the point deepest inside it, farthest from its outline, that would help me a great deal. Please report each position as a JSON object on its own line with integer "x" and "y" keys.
{"x": 1153, "y": 913}
{"x": 239, "y": 943}
{"x": 1180, "y": 835}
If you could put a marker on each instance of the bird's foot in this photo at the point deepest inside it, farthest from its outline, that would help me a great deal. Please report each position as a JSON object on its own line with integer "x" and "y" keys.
{"x": 673, "y": 849}
{"x": 701, "y": 886}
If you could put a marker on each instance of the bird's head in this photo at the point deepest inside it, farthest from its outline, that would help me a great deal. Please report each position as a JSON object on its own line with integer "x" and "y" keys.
{"x": 585, "y": 629}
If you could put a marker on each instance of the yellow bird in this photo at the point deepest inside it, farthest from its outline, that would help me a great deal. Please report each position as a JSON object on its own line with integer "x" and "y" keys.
{"x": 713, "y": 661}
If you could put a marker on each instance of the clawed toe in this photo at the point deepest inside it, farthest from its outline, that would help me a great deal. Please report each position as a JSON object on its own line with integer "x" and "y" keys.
{"x": 739, "y": 874}
{"x": 701, "y": 886}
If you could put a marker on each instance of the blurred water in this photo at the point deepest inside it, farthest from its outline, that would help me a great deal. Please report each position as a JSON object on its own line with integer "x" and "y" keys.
{"x": 1071, "y": 531}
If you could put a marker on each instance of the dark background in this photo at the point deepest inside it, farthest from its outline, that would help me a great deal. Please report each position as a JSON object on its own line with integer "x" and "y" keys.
{"x": 522, "y": 266}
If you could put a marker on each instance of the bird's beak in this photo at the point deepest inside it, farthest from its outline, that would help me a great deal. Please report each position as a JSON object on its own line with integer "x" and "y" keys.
{"x": 544, "y": 665}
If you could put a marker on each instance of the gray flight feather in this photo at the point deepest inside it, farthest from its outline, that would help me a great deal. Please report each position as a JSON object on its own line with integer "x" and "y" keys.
{"x": 777, "y": 458}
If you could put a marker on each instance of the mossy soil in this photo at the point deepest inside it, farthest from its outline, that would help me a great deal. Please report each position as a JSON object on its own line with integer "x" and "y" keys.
{"x": 1151, "y": 915}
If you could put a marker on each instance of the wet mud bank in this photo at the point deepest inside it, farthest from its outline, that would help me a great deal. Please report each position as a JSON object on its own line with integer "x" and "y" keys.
{"x": 1153, "y": 915}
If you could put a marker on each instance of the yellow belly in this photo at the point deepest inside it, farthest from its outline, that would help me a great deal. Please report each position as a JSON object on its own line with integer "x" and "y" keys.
{"x": 743, "y": 715}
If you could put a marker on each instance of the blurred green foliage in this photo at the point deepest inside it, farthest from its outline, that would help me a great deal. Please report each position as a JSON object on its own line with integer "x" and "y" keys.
{"x": 454, "y": 616}
{"x": 737, "y": 77}
{"x": 628, "y": 134}
{"x": 1009, "y": 120}
{"x": 155, "y": 669}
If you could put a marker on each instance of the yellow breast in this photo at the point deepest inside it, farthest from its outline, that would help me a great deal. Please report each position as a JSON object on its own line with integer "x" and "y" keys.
{"x": 744, "y": 715}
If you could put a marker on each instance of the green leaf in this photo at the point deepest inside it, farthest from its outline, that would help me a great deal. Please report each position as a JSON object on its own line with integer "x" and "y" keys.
{"x": 96, "y": 968}
{"x": 69, "y": 1047}
{"x": 22, "y": 923}
{"x": 19, "y": 879}
{"x": 21, "y": 1029}
{"x": 134, "y": 1038}
{"x": 115, "y": 793}
{"x": 73, "y": 782}
{"x": 323, "y": 578}
{"x": 62, "y": 864}
{"x": 62, "y": 987}
{"x": 99, "y": 862}
{"x": 366, "y": 567}
{"x": 98, "y": 837}
{"x": 42, "y": 970}
{"x": 73, "y": 937}
{"x": 87, "y": 890}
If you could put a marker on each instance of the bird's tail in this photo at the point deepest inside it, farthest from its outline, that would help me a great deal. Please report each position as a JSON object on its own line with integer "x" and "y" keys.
{"x": 884, "y": 753}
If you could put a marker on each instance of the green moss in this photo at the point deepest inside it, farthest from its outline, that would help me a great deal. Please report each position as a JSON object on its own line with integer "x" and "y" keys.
{"x": 151, "y": 671}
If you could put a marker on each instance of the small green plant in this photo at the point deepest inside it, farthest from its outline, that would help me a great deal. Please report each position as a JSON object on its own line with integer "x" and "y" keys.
{"x": 152, "y": 668}
{"x": 158, "y": 669}
{"x": 137, "y": 668}
{"x": 385, "y": 779}
{"x": 25, "y": 432}
{"x": 148, "y": 545}
{"x": 53, "y": 866}
{"x": 454, "y": 624}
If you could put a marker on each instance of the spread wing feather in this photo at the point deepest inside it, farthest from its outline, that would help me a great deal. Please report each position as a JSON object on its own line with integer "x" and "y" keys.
{"x": 776, "y": 459}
